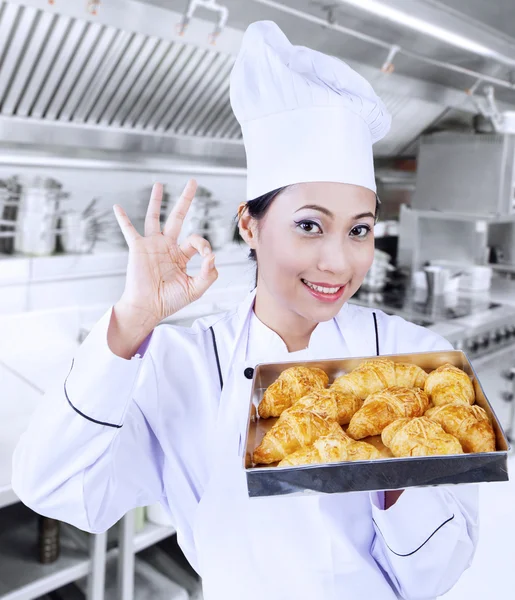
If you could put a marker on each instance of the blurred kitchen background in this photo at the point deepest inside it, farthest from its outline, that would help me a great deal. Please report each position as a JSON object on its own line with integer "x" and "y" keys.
{"x": 99, "y": 99}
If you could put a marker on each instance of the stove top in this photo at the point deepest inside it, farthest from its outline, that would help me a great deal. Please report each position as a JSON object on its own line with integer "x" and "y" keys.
{"x": 416, "y": 307}
{"x": 479, "y": 325}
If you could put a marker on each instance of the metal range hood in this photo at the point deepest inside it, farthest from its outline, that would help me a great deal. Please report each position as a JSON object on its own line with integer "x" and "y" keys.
{"x": 69, "y": 78}
{"x": 124, "y": 79}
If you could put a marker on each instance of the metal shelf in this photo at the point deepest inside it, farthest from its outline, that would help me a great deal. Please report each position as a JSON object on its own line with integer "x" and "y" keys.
{"x": 22, "y": 577}
{"x": 454, "y": 216}
{"x": 151, "y": 534}
{"x": 7, "y": 496}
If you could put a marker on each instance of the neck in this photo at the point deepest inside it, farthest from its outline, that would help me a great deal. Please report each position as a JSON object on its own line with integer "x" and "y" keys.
{"x": 294, "y": 330}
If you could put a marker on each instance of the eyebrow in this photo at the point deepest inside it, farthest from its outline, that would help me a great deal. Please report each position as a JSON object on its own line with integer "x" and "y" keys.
{"x": 327, "y": 212}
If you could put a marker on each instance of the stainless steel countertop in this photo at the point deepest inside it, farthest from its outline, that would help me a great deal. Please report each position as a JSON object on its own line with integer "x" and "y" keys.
{"x": 502, "y": 292}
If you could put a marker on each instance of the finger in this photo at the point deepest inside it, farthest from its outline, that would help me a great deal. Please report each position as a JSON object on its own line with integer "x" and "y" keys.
{"x": 194, "y": 244}
{"x": 207, "y": 276}
{"x": 129, "y": 231}
{"x": 173, "y": 224}
{"x": 152, "y": 224}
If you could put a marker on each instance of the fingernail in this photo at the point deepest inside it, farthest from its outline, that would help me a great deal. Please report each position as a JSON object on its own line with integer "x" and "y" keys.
{"x": 212, "y": 263}
{"x": 205, "y": 251}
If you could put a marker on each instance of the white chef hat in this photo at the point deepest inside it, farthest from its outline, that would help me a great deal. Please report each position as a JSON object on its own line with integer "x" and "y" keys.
{"x": 305, "y": 116}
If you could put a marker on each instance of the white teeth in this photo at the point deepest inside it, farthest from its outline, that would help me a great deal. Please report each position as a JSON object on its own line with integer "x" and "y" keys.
{"x": 324, "y": 290}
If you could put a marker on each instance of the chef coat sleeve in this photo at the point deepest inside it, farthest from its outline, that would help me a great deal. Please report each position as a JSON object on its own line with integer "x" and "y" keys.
{"x": 428, "y": 538}
{"x": 89, "y": 454}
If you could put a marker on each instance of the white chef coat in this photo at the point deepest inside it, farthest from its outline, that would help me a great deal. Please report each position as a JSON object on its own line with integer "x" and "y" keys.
{"x": 124, "y": 433}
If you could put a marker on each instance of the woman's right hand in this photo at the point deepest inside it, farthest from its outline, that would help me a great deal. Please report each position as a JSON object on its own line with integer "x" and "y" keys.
{"x": 157, "y": 284}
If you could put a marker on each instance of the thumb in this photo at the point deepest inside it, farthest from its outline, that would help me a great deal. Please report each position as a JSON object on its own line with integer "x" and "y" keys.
{"x": 207, "y": 276}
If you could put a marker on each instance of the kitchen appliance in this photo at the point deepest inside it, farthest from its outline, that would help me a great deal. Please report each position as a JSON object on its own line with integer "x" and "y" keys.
{"x": 205, "y": 219}
{"x": 476, "y": 278}
{"x": 437, "y": 279}
{"x": 377, "y": 276}
{"x": 435, "y": 236}
{"x": 10, "y": 192}
{"x": 466, "y": 173}
{"x": 77, "y": 234}
{"x": 79, "y": 231}
{"x": 40, "y": 209}
{"x": 471, "y": 278}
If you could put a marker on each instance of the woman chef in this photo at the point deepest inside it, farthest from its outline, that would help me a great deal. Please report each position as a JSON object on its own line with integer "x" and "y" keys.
{"x": 152, "y": 414}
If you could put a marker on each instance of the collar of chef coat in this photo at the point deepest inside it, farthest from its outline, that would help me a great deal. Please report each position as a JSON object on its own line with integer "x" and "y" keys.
{"x": 350, "y": 333}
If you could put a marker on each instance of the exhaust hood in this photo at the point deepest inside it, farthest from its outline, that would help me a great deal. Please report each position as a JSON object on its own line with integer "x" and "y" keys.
{"x": 124, "y": 79}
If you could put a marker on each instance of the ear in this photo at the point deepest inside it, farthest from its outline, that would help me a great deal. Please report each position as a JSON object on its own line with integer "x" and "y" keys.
{"x": 247, "y": 225}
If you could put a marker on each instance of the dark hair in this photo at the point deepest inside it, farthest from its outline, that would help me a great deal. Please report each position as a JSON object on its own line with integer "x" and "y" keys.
{"x": 259, "y": 206}
{"x": 257, "y": 210}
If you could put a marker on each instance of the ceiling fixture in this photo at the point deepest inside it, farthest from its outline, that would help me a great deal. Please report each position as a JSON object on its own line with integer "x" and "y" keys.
{"x": 212, "y": 5}
{"x": 491, "y": 111}
{"x": 388, "y": 66}
{"x": 330, "y": 23}
{"x": 403, "y": 18}
{"x": 92, "y": 6}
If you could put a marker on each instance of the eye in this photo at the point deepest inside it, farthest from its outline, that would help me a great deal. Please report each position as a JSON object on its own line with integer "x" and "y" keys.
{"x": 309, "y": 227}
{"x": 360, "y": 231}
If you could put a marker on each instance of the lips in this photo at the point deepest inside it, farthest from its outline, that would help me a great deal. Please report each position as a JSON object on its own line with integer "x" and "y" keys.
{"x": 325, "y": 292}
{"x": 323, "y": 288}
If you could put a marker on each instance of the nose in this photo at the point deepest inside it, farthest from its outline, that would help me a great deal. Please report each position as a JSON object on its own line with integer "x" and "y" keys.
{"x": 334, "y": 257}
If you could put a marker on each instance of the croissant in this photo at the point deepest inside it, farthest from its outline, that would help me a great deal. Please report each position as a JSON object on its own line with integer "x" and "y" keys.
{"x": 331, "y": 403}
{"x": 335, "y": 447}
{"x": 294, "y": 429}
{"x": 291, "y": 385}
{"x": 448, "y": 384}
{"x": 371, "y": 376}
{"x": 410, "y": 376}
{"x": 419, "y": 437}
{"x": 381, "y": 408}
{"x": 470, "y": 424}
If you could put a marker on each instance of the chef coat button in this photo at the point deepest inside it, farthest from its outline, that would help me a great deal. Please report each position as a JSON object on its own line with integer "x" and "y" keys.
{"x": 249, "y": 372}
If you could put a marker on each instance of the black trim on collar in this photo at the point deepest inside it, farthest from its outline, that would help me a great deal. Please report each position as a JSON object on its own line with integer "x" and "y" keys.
{"x": 421, "y": 545}
{"x": 215, "y": 346}
{"x": 79, "y": 412}
{"x": 377, "y": 334}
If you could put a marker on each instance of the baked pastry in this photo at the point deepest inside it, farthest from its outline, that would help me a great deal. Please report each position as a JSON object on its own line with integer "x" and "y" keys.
{"x": 331, "y": 403}
{"x": 378, "y": 374}
{"x": 470, "y": 424}
{"x": 382, "y": 408}
{"x": 371, "y": 376}
{"x": 290, "y": 386}
{"x": 294, "y": 429}
{"x": 409, "y": 375}
{"x": 448, "y": 384}
{"x": 335, "y": 447}
{"x": 419, "y": 437}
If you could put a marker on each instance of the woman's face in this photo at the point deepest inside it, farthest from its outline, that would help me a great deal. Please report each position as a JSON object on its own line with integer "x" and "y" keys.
{"x": 315, "y": 245}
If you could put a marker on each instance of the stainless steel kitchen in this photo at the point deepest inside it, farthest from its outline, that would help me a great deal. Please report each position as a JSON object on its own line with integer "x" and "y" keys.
{"x": 144, "y": 147}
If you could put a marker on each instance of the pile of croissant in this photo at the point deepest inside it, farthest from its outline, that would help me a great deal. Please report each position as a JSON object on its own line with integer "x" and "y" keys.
{"x": 415, "y": 413}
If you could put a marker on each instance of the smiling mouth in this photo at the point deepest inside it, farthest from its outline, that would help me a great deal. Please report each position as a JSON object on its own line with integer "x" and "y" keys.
{"x": 322, "y": 289}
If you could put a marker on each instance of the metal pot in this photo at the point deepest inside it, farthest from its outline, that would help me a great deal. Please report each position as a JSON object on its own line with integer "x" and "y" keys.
{"x": 38, "y": 218}
{"x": 77, "y": 234}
